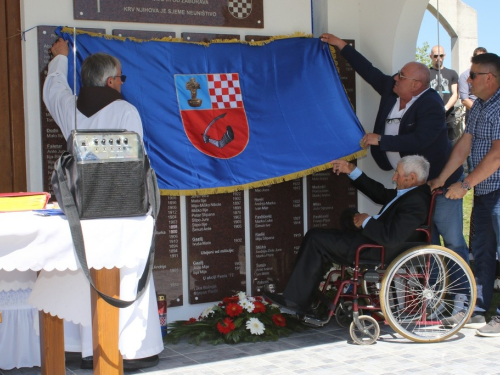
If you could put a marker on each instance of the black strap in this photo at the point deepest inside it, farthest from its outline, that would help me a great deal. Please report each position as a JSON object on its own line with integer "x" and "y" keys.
{"x": 75, "y": 227}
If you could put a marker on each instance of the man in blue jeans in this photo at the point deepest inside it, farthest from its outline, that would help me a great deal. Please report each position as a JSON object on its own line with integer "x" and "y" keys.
{"x": 482, "y": 140}
{"x": 411, "y": 121}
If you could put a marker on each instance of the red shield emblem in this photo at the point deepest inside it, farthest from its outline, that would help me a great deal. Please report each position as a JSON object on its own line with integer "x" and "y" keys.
{"x": 212, "y": 112}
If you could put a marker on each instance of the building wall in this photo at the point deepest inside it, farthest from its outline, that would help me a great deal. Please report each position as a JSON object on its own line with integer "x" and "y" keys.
{"x": 385, "y": 31}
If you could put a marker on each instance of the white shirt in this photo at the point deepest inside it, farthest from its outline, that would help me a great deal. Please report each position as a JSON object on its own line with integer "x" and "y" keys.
{"x": 392, "y": 128}
{"x": 60, "y": 102}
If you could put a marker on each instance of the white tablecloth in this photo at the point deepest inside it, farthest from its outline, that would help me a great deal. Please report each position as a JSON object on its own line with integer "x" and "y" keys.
{"x": 19, "y": 342}
{"x": 38, "y": 243}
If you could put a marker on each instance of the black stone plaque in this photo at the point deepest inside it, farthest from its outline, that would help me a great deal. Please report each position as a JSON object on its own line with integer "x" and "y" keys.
{"x": 277, "y": 227}
{"x": 53, "y": 142}
{"x": 240, "y": 13}
{"x": 347, "y": 74}
{"x": 167, "y": 270}
{"x": 216, "y": 246}
{"x": 143, "y": 34}
{"x": 207, "y": 38}
{"x": 256, "y": 38}
{"x": 328, "y": 195}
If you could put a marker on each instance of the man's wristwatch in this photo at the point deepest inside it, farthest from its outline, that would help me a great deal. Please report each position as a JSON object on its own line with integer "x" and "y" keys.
{"x": 465, "y": 185}
{"x": 379, "y": 138}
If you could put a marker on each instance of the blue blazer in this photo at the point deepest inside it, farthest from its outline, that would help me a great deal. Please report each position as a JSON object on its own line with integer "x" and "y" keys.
{"x": 422, "y": 130}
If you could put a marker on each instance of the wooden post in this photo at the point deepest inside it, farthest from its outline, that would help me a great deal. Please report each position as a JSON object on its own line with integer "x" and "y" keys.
{"x": 105, "y": 328}
{"x": 51, "y": 344}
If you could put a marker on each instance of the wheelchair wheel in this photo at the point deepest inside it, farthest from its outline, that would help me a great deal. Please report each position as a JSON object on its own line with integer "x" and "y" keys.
{"x": 344, "y": 313}
{"x": 368, "y": 334}
{"x": 418, "y": 291}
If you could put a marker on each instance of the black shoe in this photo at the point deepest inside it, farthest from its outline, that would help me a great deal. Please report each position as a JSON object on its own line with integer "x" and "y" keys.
{"x": 283, "y": 303}
{"x": 128, "y": 364}
{"x": 87, "y": 363}
{"x": 135, "y": 364}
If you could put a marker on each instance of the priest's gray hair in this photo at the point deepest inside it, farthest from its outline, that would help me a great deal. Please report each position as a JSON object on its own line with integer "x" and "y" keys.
{"x": 97, "y": 68}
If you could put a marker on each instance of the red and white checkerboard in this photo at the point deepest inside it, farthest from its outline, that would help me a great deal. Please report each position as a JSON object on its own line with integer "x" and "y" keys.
{"x": 224, "y": 90}
{"x": 239, "y": 8}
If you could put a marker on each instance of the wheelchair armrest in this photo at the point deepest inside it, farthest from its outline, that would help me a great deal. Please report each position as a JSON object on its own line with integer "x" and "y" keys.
{"x": 370, "y": 246}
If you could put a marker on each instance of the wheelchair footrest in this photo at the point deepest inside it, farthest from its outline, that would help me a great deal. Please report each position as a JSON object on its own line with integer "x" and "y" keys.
{"x": 312, "y": 321}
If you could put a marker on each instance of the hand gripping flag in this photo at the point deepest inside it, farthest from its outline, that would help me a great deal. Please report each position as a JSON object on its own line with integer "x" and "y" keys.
{"x": 222, "y": 117}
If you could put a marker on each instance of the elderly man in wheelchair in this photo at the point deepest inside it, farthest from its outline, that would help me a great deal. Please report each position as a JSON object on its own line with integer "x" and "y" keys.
{"x": 414, "y": 294}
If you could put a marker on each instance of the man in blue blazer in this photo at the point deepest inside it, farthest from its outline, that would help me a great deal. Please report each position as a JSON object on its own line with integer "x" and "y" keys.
{"x": 411, "y": 121}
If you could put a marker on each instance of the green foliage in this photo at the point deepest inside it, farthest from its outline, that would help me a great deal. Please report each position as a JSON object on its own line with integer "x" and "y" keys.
{"x": 207, "y": 327}
{"x": 422, "y": 54}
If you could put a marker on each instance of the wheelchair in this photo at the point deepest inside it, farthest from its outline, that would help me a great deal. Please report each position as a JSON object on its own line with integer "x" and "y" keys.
{"x": 413, "y": 294}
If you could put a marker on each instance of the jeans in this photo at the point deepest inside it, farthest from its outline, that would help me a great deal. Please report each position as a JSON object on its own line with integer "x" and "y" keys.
{"x": 448, "y": 222}
{"x": 485, "y": 246}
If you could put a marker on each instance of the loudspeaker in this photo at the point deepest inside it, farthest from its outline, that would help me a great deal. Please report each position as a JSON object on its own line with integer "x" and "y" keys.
{"x": 107, "y": 174}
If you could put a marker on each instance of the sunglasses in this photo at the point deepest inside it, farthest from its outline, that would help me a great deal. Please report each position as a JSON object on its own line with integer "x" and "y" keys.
{"x": 473, "y": 75}
{"x": 123, "y": 78}
{"x": 402, "y": 76}
{"x": 436, "y": 56}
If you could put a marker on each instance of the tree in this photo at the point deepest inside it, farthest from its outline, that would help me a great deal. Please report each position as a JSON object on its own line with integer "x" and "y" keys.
{"x": 422, "y": 54}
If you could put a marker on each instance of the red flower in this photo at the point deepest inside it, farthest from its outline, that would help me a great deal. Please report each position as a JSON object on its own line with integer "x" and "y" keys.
{"x": 228, "y": 300}
{"x": 190, "y": 321}
{"x": 259, "y": 307}
{"x": 225, "y": 326}
{"x": 233, "y": 309}
{"x": 279, "y": 320}
{"x": 258, "y": 298}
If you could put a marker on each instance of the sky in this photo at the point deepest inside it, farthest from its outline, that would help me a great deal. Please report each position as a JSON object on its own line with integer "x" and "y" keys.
{"x": 488, "y": 28}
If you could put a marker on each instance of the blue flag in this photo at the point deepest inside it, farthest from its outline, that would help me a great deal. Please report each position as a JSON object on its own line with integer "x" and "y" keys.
{"x": 222, "y": 117}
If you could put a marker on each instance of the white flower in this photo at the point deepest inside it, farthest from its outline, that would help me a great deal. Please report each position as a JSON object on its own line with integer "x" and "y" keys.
{"x": 255, "y": 326}
{"x": 247, "y": 305}
{"x": 207, "y": 312}
{"x": 250, "y": 306}
{"x": 242, "y": 296}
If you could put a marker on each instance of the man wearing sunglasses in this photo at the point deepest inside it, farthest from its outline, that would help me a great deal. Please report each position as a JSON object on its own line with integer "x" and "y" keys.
{"x": 464, "y": 93}
{"x": 411, "y": 121}
{"x": 445, "y": 82}
{"x": 100, "y": 105}
{"x": 482, "y": 140}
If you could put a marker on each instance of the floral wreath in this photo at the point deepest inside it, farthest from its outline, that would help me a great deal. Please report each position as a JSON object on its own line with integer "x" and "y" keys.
{"x": 235, "y": 319}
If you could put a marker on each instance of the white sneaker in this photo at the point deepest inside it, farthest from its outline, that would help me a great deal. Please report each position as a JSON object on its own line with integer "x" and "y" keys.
{"x": 458, "y": 303}
{"x": 458, "y": 306}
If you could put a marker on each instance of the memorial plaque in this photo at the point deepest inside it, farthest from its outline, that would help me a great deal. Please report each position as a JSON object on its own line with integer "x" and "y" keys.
{"x": 328, "y": 195}
{"x": 216, "y": 246}
{"x": 53, "y": 142}
{"x": 347, "y": 74}
{"x": 256, "y": 38}
{"x": 240, "y": 13}
{"x": 207, "y": 38}
{"x": 277, "y": 226}
{"x": 167, "y": 271}
{"x": 143, "y": 34}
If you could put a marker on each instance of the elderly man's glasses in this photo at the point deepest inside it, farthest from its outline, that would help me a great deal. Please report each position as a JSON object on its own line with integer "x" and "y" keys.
{"x": 473, "y": 75}
{"x": 436, "y": 56}
{"x": 122, "y": 78}
{"x": 402, "y": 76}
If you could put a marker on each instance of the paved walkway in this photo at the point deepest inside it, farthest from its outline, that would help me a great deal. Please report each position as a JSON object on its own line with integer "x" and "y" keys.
{"x": 327, "y": 350}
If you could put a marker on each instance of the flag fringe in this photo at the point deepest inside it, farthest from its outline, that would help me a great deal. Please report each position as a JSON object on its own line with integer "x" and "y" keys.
{"x": 297, "y": 34}
{"x": 261, "y": 183}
